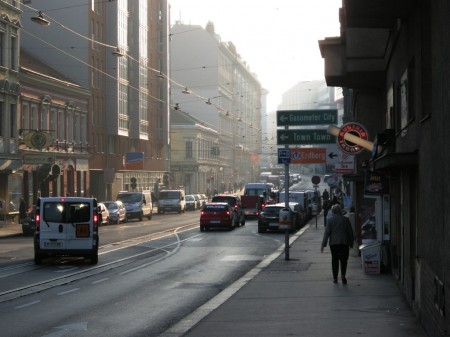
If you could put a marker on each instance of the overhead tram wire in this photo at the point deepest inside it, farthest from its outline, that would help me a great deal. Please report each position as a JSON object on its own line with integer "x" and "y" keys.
{"x": 116, "y": 49}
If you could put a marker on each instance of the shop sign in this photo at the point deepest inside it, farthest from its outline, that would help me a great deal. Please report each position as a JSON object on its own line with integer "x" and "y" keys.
{"x": 38, "y": 140}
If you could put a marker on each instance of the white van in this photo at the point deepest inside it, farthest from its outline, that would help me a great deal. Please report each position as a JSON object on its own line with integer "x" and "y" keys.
{"x": 137, "y": 204}
{"x": 171, "y": 201}
{"x": 300, "y": 197}
{"x": 66, "y": 227}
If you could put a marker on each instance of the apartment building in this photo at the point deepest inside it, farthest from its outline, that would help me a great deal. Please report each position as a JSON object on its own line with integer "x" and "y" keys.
{"x": 118, "y": 50}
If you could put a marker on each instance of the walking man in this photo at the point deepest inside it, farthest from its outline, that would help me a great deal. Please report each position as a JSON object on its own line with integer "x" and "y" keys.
{"x": 339, "y": 234}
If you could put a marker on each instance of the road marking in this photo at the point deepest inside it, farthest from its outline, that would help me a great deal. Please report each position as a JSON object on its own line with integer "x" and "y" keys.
{"x": 100, "y": 281}
{"x": 68, "y": 291}
{"x": 241, "y": 258}
{"x": 26, "y": 305}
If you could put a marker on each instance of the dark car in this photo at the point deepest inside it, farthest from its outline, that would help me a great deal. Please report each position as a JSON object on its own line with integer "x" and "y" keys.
{"x": 28, "y": 223}
{"x": 217, "y": 215}
{"x": 269, "y": 217}
{"x": 235, "y": 203}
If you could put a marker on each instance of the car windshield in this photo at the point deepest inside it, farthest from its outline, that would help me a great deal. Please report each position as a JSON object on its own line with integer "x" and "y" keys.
{"x": 272, "y": 210}
{"x": 129, "y": 197}
{"x": 112, "y": 206}
{"x": 257, "y": 192}
{"x": 189, "y": 198}
{"x": 230, "y": 201}
{"x": 169, "y": 195}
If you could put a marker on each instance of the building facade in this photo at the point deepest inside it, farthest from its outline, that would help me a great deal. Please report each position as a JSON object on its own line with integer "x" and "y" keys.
{"x": 221, "y": 91}
{"x": 195, "y": 163}
{"x": 10, "y": 161}
{"x": 119, "y": 51}
{"x": 51, "y": 106}
{"x": 392, "y": 62}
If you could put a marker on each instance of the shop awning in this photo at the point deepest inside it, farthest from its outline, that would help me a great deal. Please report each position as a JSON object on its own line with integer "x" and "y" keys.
{"x": 396, "y": 160}
{"x": 10, "y": 164}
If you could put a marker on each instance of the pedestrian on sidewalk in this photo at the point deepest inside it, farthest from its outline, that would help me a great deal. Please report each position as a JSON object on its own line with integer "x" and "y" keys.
{"x": 22, "y": 210}
{"x": 339, "y": 234}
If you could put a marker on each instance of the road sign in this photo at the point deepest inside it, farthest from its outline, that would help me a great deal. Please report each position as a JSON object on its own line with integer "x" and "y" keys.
{"x": 315, "y": 180}
{"x": 306, "y": 117}
{"x": 284, "y": 156}
{"x": 308, "y": 156}
{"x": 304, "y": 137}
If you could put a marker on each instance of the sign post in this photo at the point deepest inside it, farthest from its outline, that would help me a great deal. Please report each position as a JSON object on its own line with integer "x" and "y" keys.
{"x": 286, "y": 137}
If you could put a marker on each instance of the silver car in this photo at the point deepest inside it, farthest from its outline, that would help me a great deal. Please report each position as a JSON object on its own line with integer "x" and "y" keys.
{"x": 117, "y": 211}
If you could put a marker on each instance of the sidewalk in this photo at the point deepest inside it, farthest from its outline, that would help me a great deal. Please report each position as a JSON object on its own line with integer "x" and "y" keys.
{"x": 297, "y": 297}
{"x": 8, "y": 228}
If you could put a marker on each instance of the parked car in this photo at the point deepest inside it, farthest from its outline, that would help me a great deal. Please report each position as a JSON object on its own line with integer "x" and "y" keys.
{"x": 191, "y": 203}
{"x": 269, "y": 217}
{"x": 204, "y": 199}
{"x": 235, "y": 202}
{"x": 29, "y": 224}
{"x": 117, "y": 211}
{"x": 198, "y": 200}
{"x": 217, "y": 215}
{"x": 104, "y": 213}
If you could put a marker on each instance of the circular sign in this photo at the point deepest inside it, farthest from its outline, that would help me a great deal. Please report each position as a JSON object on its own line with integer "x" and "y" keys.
{"x": 351, "y": 132}
{"x": 315, "y": 180}
{"x": 38, "y": 140}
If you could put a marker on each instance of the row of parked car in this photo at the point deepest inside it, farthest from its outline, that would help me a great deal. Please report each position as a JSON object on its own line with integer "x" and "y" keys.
{"x": 226, "y": 212}
{"x": 195, "y": 201}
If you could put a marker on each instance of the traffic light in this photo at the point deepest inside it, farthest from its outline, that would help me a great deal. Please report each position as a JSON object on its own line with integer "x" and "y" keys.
{"x": 133, "y": 183}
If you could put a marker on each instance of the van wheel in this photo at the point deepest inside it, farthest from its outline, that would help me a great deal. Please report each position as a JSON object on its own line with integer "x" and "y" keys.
{"x": 150, "y": 216}
{"x": 37, "y": 258}
{"x": 140, "y": 217}
{"x": 243, "y": 221}
{"x": 94, "y": 258}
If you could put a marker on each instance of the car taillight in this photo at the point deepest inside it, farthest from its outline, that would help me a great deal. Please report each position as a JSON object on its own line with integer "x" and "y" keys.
{"x": 202, "y": 213}
{"x": 37, "y": 221}
{"x": 95, "y": 221}
{"x": 228, "y": 213}
{"x": 262, "y": 206}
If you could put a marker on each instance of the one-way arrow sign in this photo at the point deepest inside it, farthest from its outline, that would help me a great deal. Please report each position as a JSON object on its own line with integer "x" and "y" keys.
{"x": 333, "y": 155}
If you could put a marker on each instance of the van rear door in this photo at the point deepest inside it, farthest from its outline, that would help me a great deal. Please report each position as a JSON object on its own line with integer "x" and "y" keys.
{"x": 66, "y": 225}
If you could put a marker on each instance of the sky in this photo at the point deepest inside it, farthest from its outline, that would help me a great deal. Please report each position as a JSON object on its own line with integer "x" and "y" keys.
{"x": 278, "y": 39}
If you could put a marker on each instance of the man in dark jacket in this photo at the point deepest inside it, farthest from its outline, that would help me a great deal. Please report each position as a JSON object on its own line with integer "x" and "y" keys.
{"x": 340, "y": 235}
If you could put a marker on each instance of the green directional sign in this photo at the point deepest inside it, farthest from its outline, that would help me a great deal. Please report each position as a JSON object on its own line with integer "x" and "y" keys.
{"x": 306, "y": 117}
{"x": 304, "y": 137}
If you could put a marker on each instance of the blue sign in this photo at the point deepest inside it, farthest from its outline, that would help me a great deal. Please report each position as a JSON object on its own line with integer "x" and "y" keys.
{"x": 284, "y": 156}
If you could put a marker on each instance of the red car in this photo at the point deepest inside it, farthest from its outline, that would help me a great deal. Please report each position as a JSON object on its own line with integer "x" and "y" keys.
{"x": 216, "y": 215}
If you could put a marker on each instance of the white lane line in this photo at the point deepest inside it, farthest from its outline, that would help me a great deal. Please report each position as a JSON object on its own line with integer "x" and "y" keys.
{"x": 68, "y": 291}
{"x": 26, "y": 305}
{"x": 100, "y": 281}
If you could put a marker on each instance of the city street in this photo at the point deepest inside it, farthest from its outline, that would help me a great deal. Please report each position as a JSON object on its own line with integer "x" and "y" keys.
{"x": 150, "y": 275}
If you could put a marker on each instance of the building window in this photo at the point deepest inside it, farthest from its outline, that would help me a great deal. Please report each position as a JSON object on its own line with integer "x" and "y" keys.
{"x": 2, "y": 48}
{"x": 189, "y": 154}
{"x": 53, "y": 121}
{"x": 2, "y": 119}
{"x": 14, "y": 53}
{"x": 12, "y": 121}
{"x": 34, "y": 117}
{"x": 25, "y": 116}
{"x": 61, "y": 125}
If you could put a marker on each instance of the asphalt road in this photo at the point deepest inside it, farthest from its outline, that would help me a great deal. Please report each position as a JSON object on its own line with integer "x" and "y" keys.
{"x": 150, "y": 275}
